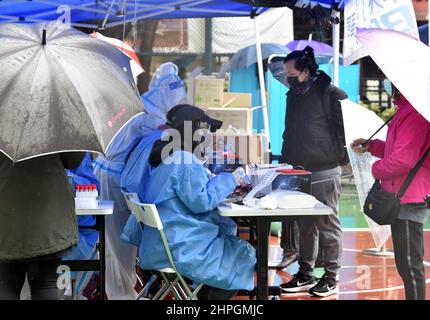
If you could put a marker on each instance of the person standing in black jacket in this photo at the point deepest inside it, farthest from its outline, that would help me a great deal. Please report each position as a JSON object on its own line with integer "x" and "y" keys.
{"x": 37, "y": 223}
{"x": 314, "y": 139}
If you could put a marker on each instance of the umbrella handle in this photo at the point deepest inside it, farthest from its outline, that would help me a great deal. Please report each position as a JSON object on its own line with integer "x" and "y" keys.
{"x": 386, "y": 122}
{"x": 44, "y": 36}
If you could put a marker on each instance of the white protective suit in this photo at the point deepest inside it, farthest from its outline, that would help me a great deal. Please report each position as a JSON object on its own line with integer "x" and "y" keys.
{"x": 165, "y": 91}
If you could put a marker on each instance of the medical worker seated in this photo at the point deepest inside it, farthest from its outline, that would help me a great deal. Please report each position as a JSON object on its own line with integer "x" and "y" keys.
{"x": 165, "y": 91}
{"x": 187, "y": 198}
{"x": 136, "y": 173}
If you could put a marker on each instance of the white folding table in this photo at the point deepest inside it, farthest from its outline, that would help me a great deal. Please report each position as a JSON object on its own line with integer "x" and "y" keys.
{"x": 262, "y": 219}
{"x": 104, "y": 208}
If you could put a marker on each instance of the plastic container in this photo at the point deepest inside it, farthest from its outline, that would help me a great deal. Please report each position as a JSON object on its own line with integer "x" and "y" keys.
{"x": 86, "y": 197}
{"x": 292, "y": 179}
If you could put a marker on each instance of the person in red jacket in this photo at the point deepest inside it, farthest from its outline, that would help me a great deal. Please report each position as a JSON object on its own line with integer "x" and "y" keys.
{"x": 408, "y": 138}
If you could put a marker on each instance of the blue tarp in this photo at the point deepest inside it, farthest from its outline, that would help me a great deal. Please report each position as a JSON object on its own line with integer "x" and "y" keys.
{"x": 89, "y": 10}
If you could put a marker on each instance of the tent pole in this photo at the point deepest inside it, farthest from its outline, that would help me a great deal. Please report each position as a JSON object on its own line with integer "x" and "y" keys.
{"x": 336, "y": 45}
{"x": 262, "y": 84}
{"x": 208, "y": 46}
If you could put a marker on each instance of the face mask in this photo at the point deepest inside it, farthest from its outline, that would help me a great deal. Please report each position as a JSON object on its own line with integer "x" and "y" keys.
{"x": 294, "y": 82}
{"x": 388, "y": 88}
{"x": 299, "y": 87}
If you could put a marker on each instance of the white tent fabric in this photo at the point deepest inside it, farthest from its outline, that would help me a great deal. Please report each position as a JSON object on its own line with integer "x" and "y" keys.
{"x": 233, "y": 34}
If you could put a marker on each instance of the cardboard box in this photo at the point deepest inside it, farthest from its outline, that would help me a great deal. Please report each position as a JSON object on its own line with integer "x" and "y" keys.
{"x": 237, "y": 100}
{"x": 249, "y": 147}
{"x": 239, "y": 118}
{"x": 208, "y": 92}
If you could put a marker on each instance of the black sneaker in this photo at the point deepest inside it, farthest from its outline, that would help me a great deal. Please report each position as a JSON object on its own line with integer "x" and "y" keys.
{"x": 299, "y": 283}
{"x": 325, "y": 287}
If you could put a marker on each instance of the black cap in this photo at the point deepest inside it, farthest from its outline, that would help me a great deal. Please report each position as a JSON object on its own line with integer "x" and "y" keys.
{"x": 172, "y": 112}
{"x": 191, "y": 113}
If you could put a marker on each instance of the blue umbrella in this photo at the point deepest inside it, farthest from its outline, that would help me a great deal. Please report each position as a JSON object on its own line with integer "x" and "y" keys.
{"x": 247, "y": 56}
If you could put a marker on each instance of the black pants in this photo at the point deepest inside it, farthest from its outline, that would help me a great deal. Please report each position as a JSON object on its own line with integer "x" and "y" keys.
{"x": 408, "y": 243}
{"x": 318, "y": 238}
{"x": 212, "y": 293}
{"x": 42, "y": 277}
{"x": 290, "y": 235}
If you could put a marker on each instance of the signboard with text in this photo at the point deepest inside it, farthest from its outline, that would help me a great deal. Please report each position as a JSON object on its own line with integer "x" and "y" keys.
{"x": 397, "y": 15}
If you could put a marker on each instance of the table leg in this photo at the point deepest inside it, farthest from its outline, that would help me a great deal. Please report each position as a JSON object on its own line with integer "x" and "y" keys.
{"x": 102, "y": 257}
{"x": 262, "y": 258}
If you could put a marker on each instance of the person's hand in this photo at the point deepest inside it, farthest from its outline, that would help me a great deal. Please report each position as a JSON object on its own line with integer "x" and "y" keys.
{"x": 238, "y": 175}
{"x": 357, "y": 145}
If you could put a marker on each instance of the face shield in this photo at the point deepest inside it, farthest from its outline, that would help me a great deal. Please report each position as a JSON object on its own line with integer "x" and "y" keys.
{"x": 166, "y": 90}
{"x": 277, "y": 68}
{"x": 202, "y": 139}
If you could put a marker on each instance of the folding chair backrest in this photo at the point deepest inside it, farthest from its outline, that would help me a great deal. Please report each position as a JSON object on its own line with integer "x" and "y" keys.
{"x": 152, "y": 218}
{"x": 148, "y": 213}
{"x": 129, "y": 196}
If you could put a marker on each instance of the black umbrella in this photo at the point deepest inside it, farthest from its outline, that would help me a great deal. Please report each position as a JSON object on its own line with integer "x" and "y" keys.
{"x": 61, "y": 90}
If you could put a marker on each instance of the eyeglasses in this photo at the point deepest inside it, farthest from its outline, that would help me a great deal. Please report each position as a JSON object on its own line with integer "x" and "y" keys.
{"x": 202, "y": 125}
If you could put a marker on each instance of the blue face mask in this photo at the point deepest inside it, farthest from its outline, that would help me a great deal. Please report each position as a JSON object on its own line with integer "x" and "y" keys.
{"x": 388, "y": 88}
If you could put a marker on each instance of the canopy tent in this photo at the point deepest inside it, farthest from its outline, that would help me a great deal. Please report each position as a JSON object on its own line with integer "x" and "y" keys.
{"x": 115, "y": 12}
{"x": 320, "y": 10}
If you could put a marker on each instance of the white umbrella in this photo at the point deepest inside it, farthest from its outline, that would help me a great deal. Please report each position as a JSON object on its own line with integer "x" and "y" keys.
{"x": 404, "y": 60}
{"x": 360, "y": 122}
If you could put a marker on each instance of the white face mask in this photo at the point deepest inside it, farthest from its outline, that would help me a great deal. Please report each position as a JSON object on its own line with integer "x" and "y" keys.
{"x": 388, "y": 88}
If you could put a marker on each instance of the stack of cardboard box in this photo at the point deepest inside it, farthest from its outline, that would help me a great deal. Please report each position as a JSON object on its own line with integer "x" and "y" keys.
{"x": 235, "y": 110}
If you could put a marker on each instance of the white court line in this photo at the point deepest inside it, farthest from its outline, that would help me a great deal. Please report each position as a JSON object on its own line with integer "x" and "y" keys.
{"x": 368, "y": 266}
{"x": 352, "y": 250}
{"x": 365, "y": 230}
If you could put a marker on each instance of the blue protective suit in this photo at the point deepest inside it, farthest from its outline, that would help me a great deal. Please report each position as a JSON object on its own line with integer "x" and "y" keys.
{"x": 120, "y": 257}
{"x": 187, "y": 201}
{"x": 134, "y": 179}
{"x": 165, "y": 91}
